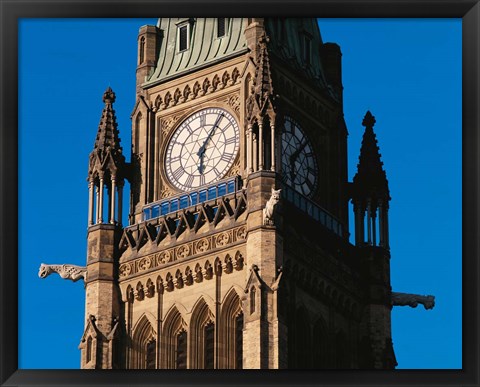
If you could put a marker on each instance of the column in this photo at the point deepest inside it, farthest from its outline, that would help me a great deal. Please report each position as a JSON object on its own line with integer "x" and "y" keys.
{"x": 369, "y": 222}
{"x": 97, "y": 188}
{"x": 374, "y": 226}
{"x": 120, "y": 202}
{"x": 255, "y": 152}
{"x": 249, "y": 149}
{"x": 90, "y": 202}
{"x": 112, "y": 202}
{"x": 385, "y": 227}
{"x": 100, "y": 202}
{"x": 381, "y": 224}
{"x": 260, "y": 146}
{"x": 272, "y": 136}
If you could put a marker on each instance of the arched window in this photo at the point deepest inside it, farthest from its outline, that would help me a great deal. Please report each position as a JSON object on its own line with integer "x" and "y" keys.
{"x": 174, "y": 341}
{"x": 252, "y": 300}
{"x": 143, "y": 351}
{"x": 208, "y": 346}
{"x": 320, "y": 345}
{"x": 89, "y": 349}
{"x": 181, "y": 351}
{"x": 151, "y": 355}
{"x": 142, "y": 50}
{"x": 230, "y": 352}
{"x": 239, "y": 342}
{"x": 202, "y": 336}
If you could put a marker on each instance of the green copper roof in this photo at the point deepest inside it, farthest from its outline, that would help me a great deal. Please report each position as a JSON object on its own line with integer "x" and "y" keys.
{"x": 287, "y": 39}
{"x": 204, "y": 47}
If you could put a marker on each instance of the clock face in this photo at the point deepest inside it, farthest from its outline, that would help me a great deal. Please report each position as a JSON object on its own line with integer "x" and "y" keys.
{"x": 202, "y": 149}
{"x": 299, "y": 166}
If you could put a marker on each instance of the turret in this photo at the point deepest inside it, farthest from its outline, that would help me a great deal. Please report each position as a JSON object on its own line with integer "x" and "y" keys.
{"x": 106, "y": 169}
{"x": 370, "y": 193}
{"x": 101, "y": 338}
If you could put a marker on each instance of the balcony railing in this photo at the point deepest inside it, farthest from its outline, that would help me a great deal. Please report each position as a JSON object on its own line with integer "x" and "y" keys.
{"x": 181, "y": 201}
{"x": 313, "y": 209}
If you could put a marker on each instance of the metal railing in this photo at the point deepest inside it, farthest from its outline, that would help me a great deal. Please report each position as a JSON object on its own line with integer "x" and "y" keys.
{"x": 201, "y": 195}
{"x": 313, "y": 209}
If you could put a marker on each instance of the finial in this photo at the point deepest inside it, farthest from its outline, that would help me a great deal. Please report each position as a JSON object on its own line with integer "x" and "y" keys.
{"x": 109, "y": 95}
{"x": 368, "y": 120}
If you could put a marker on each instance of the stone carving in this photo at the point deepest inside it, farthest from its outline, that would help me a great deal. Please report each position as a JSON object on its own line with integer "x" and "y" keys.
{"x": 406, "y": 299}
{"x": 203, "y": 245}
{"x": 71, "y": 272}
{"x": 270, "y": 207}
{"x": 234, "y": 102}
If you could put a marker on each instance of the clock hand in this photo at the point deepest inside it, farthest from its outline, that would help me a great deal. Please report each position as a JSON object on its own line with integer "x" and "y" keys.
{"x": 201, "y": 150}
{"x": 293, "y": 159}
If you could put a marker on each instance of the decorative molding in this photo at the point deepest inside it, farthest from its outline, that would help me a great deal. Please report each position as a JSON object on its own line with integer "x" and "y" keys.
{"x": 203, "y": 270}
{"x": 183, "y": 251}
{"x": 412, "y": 300}
{"x": 70, "y": 272}
{"x": 234, "y": 102}
{"x": 168, "y": 123}
{"x": 215, "y": 81}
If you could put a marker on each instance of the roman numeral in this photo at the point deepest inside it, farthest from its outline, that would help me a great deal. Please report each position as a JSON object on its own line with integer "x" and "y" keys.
{"x": 226, "y": 157}
{"x": 189, "y": 181}
{"x": 175, "y": 159}
{"x": 231, "y": 140}
{"x": 202, "y": 179}
{"x": 178, "y": 173}
{"x": 203, "y": 119}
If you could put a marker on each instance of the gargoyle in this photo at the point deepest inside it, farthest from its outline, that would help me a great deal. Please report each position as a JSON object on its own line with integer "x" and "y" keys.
{"x": 406, "y": 299}
{"x": 71, "y": 272}
{"x": 270, "y": 206}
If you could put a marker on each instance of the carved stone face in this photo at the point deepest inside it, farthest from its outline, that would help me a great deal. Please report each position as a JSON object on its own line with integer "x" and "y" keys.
{"x": 43, "y": 271}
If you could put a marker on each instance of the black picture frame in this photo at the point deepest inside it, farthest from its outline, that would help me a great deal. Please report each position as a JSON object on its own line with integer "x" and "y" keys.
{"x": 11, "y": 11}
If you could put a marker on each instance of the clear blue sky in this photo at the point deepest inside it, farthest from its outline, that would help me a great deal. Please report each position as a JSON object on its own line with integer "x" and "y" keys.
{"x": 406, "y": 72}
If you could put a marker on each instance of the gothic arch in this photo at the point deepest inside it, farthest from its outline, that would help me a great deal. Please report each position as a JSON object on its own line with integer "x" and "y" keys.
{"x": 173, "y": 326}
{"x": 142, "y": 339}
{"x": 200, "y": 351}
{"x": 320, "y": 344}
{"x": 301, "y": 356}
{"x": 231, "y": 334}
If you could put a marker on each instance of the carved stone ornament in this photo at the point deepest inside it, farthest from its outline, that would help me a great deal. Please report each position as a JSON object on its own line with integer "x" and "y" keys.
{"x": 71, "y": 272}
{"x": 268, "y": 211}
{"x": 406, "y": 299}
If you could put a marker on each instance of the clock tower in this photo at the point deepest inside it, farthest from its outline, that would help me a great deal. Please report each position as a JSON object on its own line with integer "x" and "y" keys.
{"x": 236, "y": 252}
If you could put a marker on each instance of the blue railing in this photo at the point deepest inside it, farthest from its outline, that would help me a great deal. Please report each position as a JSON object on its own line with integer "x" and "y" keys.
{"x": 204, "y": 194}
{"x": 312, "y": 209}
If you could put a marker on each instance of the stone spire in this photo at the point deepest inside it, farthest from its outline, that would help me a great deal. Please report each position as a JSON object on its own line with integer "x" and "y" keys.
{"x": 370, "y": 180}
{"x": 261, "y": 93}
{"x": 107, "y": 153}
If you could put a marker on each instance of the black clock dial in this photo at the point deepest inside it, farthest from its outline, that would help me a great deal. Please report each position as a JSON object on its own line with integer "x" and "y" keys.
{"x": 299, "y": 166}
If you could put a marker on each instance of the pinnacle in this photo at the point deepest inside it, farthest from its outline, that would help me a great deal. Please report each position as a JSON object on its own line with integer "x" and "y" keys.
{"x": 107, "y": 152}
{"x": 109, "y": 95}
{"x": 370, "y": 178}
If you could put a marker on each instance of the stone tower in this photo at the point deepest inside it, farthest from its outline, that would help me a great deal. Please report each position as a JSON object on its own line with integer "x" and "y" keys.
{"x": 237, "y": 253}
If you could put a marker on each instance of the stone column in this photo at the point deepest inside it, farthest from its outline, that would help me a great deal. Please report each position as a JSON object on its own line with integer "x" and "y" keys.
{"x": 120, "y": 202}
{"x": 112, "y": 205}
{"x": 90, "y": 202}
{"x": 249, "y": 149}
{"x": 369, "y": 222}
{"x": 374, "y": 226}
{"x": 255, "y": 152}
{"x": 260, "y": 146}
{"x": 273, "y": 153}
{"x": 100, "y": 201}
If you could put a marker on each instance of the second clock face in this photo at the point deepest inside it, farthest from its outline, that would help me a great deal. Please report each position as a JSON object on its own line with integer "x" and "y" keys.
{"x": 202, "y": 149}
{"x": 299, "y": 166}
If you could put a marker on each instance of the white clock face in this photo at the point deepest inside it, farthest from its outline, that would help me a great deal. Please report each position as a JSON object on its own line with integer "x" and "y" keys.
{"x": 202, "y": 149}
{"x": 299, "y": 166}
